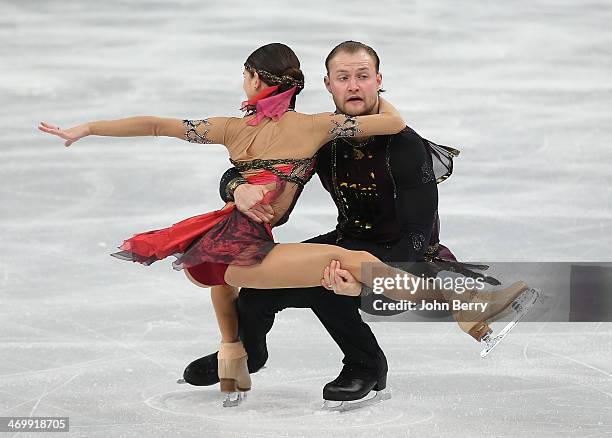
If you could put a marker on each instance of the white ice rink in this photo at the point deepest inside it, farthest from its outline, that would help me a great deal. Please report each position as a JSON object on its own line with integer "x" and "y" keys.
{"x": 523, "y": 88}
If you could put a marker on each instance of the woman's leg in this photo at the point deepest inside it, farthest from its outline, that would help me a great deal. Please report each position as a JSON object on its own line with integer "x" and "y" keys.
{"x": 296, "y": 265}
{"x": 302, "y": 265}
{"x": 224, "y": 303}
{"x": 232, "y": 358}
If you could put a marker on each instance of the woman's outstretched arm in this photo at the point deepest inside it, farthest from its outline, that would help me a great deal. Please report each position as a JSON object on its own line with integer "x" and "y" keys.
{"x": 211, "y": 130}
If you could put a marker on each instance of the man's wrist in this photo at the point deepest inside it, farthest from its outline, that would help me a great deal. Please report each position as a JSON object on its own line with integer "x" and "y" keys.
{"x": 365, "y": 290}
{"x": 232, "y": 185}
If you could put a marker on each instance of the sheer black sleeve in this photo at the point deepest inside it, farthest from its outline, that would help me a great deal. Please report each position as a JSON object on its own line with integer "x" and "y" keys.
{"x": 416, "y": 193}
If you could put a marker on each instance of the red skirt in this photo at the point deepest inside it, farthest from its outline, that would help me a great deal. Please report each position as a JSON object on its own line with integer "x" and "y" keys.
{"x": 205, "y": 245}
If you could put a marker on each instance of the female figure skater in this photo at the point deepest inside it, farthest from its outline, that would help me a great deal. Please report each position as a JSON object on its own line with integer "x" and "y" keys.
{"x": 272, "y": 145}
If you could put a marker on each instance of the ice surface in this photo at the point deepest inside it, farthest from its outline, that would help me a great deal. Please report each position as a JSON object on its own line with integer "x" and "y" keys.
{"x": 522, "y": 88}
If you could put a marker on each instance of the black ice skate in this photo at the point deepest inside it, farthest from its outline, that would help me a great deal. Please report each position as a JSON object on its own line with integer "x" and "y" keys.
{"x": 354, "y": 389}
{"x": 349, "y": 405}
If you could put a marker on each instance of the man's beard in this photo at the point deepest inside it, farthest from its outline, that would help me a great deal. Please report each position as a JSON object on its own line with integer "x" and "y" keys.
{"x": 365, "y": 112}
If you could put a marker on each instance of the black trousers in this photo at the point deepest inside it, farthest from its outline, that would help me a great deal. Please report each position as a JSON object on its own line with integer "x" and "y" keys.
{"x": 338, "y": 314}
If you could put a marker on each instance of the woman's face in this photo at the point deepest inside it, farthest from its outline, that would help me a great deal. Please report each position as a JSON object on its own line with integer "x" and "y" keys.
{"x": 249, "y": 84}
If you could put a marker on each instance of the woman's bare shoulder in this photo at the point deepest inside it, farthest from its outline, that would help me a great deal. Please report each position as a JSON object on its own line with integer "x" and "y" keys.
{"x": 300, "y": 118}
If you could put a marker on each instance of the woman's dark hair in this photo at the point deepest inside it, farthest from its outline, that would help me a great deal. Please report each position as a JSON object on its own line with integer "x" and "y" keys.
{"x": 277, "y": 64}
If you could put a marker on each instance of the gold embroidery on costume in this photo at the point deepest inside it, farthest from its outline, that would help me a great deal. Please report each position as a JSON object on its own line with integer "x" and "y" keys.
{"x": 356, "y": 201}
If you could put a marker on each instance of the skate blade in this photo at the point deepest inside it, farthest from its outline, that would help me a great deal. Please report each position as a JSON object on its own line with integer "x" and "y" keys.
{"x": 233, "y": 399}
{"x": 181, "y": 381}
{"x": 343, "y": 406}
{"x": 521, "y": 307}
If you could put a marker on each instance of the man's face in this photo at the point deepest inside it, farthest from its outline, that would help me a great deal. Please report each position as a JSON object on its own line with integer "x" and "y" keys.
{"x": 354, "y": 83}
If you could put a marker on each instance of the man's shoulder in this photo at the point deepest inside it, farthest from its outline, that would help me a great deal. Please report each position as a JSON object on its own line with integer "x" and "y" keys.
{"x": 407, "y": 141}
{"x": 407, "y": 135}
{"x": 408, "y": 148}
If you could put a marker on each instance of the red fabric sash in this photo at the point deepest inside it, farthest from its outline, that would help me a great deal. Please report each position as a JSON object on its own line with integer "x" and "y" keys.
{"x": 272, "y": 107}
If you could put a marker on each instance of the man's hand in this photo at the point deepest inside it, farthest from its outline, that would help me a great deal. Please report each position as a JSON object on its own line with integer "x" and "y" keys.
{"x": 248, "y": 199}
{"x": 340, "y": 280}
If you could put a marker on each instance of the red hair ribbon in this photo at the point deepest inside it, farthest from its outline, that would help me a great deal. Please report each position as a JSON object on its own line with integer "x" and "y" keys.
{"x": 269, "y": 106}
{"x": 261, "y": 95}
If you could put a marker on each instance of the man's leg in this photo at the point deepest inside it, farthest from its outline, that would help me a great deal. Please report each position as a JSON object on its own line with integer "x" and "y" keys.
{"x": 353, "y": 336}
{"x": 338, "y": 314}
{"x": 365, "y": 365}
{"x": 341, "y": 318}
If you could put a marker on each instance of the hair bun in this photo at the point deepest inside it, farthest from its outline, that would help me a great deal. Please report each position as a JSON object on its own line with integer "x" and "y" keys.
{"x": 294, "y": 72}
{"x": 294, "y": 75}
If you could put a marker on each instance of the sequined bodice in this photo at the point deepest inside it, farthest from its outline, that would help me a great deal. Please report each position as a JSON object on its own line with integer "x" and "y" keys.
{"x": 295, "y": 170}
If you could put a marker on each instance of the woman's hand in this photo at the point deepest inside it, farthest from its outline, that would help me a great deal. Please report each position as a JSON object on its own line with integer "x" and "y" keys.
{"x": 70, "y": 135}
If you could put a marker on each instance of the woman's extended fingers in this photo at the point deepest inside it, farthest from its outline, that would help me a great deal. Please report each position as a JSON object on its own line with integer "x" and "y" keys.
{"x": 49, "y": 128}
{"x": 70, "y": 135}
{"x": 52, "y": 129}
{"x": 49, "y": 125}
